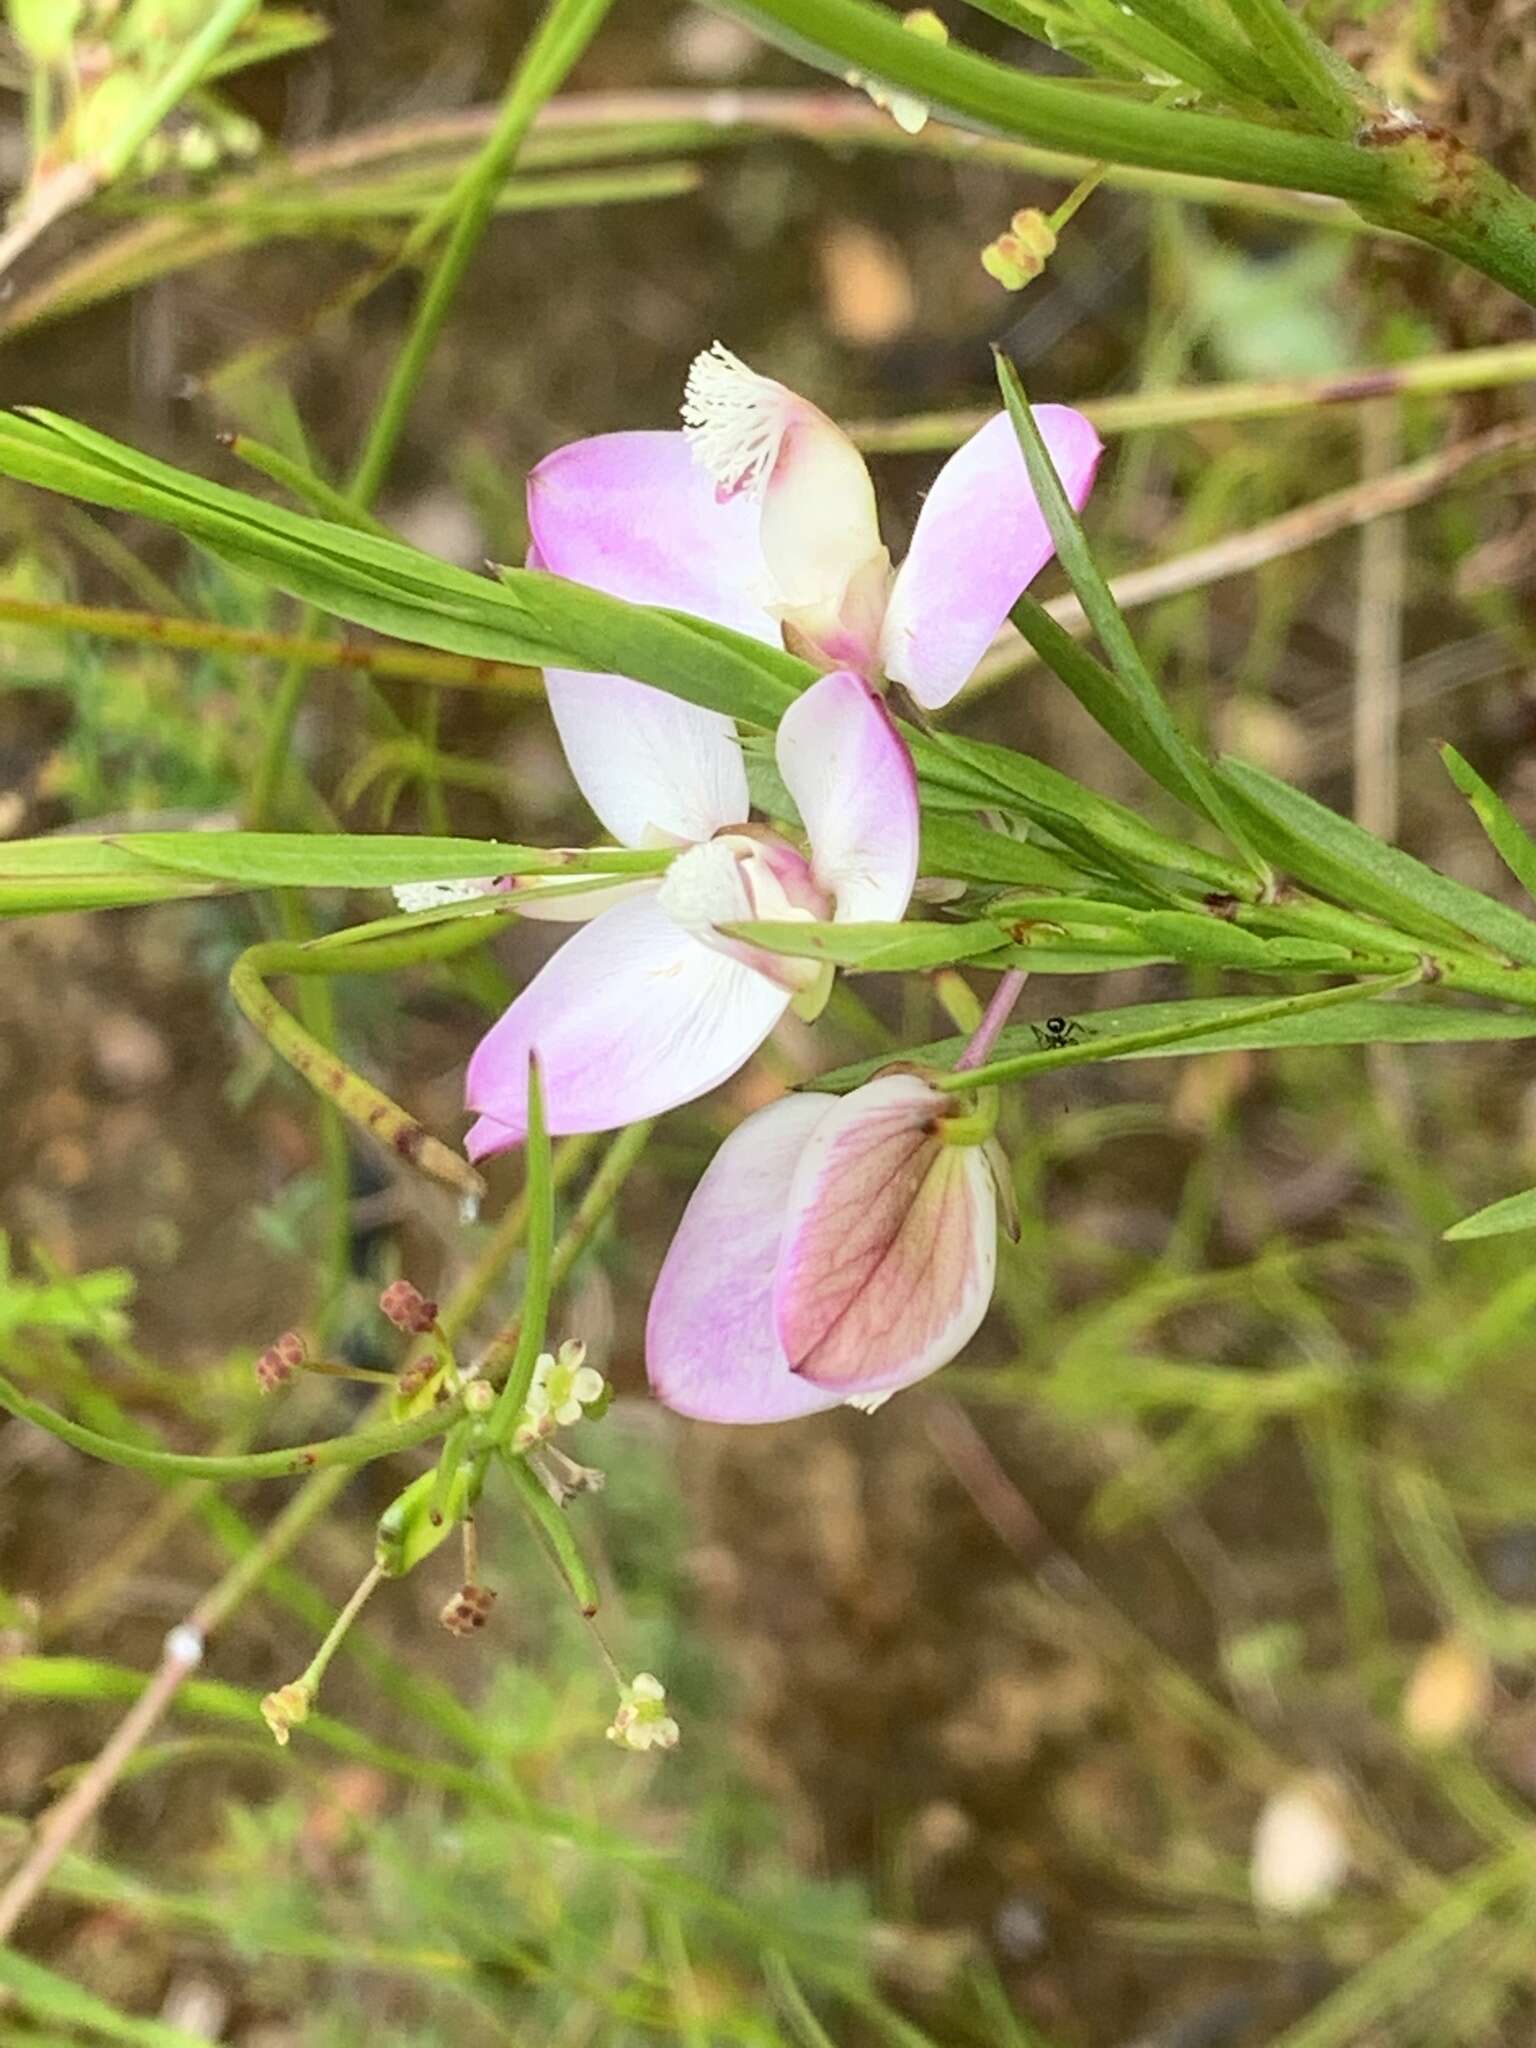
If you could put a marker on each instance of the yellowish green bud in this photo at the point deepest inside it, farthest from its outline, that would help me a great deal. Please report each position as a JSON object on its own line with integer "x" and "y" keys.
{"x": 1020, "y": 254}
{"x": 287, "y": 1708}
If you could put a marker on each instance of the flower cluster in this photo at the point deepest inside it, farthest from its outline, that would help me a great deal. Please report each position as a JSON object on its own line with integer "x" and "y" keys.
{"x": 835, "y": 1250}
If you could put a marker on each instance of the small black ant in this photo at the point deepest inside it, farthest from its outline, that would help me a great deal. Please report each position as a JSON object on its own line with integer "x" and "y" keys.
{"x": 1057, "y": 1032}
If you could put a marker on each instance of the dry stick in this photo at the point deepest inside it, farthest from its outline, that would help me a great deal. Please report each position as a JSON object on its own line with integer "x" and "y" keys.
{"x": 184, "y": 1645}
{"x": 407, "y": 664}
{"x": 1357, "y": 505}
{"x": 1379, "y": 635}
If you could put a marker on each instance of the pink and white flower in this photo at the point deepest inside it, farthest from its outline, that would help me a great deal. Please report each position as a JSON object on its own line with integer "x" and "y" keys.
{"x": 650, "y": 1004}
{"x": 836, "y": 1249}
{"x": 819, "y": 571}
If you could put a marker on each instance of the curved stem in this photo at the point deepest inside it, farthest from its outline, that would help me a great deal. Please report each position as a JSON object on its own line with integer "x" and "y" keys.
{"x": 361, "y": 1448}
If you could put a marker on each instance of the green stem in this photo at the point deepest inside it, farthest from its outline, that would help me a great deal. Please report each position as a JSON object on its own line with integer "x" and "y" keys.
{"x": 319, "y": 1664}
{"x": 366, "y": 1106}
{"x": 559, "y": 39}
{"x": 618, "y": 1162}
{"x": 1021, "y": 1065}
{"x": 346, "y": 1452}
{"x": 538, "y": 1277}
{"x": 555, "y": 1538}
{"x": 1397, "y": 173}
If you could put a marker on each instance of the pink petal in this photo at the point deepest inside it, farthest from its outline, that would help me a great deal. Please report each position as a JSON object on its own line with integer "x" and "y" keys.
{"x": 634, "y": 515}
{"x": 655, "y": 769}
{"x": 890, "y": 1244}
{"x": 981, "y": 539}
{"x": 710, "y": 1344}
{"x": 631, "y": 1017}
{"x": 846, "y": 768}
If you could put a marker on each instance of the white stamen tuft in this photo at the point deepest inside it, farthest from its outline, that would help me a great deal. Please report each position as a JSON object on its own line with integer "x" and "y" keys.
{"x": 867, "y": 1403}
{"x": 733, "y": 420}
{"x": 706, "y": 886}
{"x": 437, "y": 895}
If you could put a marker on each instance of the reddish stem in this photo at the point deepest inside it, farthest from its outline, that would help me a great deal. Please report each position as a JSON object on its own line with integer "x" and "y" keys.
{"x": 996, "y": 1015}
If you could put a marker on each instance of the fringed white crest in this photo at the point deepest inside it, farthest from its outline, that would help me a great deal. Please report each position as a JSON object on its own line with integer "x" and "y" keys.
{"x": 734, "y": 420}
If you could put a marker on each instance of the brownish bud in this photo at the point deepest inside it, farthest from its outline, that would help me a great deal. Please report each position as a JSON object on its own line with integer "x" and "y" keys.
{"x": 468, "y": 1610}
{"x": 280, "y": 1361}
{"x": 408, "y": 1308}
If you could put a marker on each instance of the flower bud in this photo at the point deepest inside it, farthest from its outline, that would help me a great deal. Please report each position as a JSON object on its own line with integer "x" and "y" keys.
{"x": 468, "y": 1611}
{"x": 641, "y": 1720}
{"x": 287, "y": 1708}
{"x": 280, "y": 1361}
{"x": 408, "y": 1308}
{"x": 1021, "y": 254}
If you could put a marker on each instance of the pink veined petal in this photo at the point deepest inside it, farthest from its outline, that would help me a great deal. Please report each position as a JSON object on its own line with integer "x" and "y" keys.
{"x": 631, "y": 1017}
{"x": 655, "y": 769}
{"x": 890, "y": 1244}
{"x": 710, "y": 1345}
{"x": 846, "y": 768}
{"x": 634, "y": 515}
{"x": 980, "y": 540}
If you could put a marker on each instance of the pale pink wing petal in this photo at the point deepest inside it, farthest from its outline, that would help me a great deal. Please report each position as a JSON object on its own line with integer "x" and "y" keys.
{"x": 846, "y": 768}
{"x": 980, "y": 540}
{"x": 631, "y": 1017}
{"x": 710, "y": 1345}
{"x": 655, "y": 769}
{"x": 890, "y": 1244}
{"x": 634, "y": 515}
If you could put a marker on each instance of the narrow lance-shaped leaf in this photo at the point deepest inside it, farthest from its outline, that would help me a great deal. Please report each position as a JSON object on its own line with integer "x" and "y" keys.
{"x": 1020, "y": 1066}
{"x": 1146, "y": 729}
{"x": 1239, "y": 1024}
{"x": 1514, "y": 1212}
{"x": 1510, "y": 840}
{"x": 1341, "y": 859}
{"x": 527, "y": 616}
{"x": 874, "y": 948}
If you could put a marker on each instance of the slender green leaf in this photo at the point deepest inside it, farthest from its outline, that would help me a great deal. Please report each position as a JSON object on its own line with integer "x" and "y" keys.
{"x": 1392, "y": 1023}
{"x": 47, "y": 1996}
{"x": 1514, "y": 1212}
{"x": 1111, "y": 838}
{"x": 1084, "y": 1049}
{"x": 960, "y": 848}
{"x": 874, "y": 948}
{"x": 90, "y": 873}
{"x": 1510, "y": 840}
{"x": 1340, "y": 859}
{"x": 1141, "y": 721}
{"x": 527, "y": 615}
